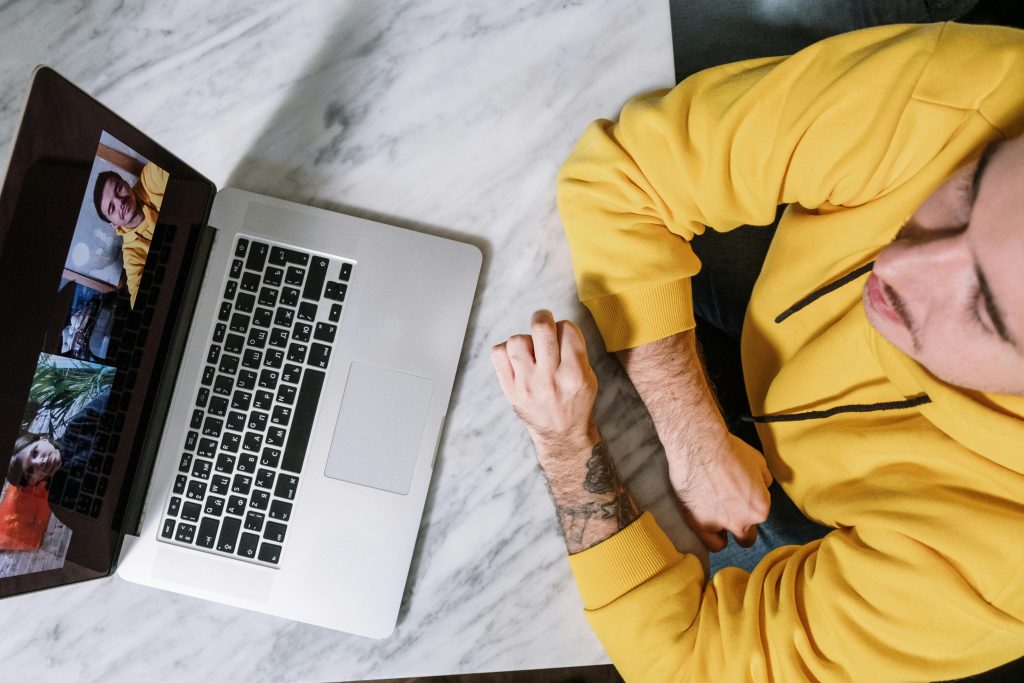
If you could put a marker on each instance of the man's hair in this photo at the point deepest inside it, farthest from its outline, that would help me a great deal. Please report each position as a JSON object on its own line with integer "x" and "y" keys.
{"x": 15, "y": 472}
{"x": 97, "y": 192}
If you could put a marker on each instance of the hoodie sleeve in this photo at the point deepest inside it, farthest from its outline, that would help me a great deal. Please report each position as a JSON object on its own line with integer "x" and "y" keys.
{"x": 856, "y": 605}
{"x": 724, "y": 148}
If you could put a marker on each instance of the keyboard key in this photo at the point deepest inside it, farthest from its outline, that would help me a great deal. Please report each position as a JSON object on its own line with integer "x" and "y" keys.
{"x": 228, "y": 364}
{"x": 219, "y": 330}
{"x": 257, "y": 421}
{"x": 275, "y": 436}
{"x": 196, "y": 490}
{"x": 230, "y": 289}
{"x": 168, "y": 530}
{"x": 247, "y": 463}
{"x": 230, "y": 442}
{"x": 222, "y": 385}
{"x": 207, "y": 448}
{"x": 201, "y": 468}
{"x": 241, "y": 484}
{"x": 236, "y": 505}
{"x": 319, "y": 354}
{"x": 277, "y": 257}
{"x": 271, "y": 457}
{"x": 240, "y": 400}
{"x": 280, "y": 510}
{"x": 294, "y": 276}
{"x": 214, "y": 506}
{"x": 273, "y": 276}
{"x": 254, "y": 521}
{"x": 268, "y": 297}
{"x": 202, "y": 397}
{"x": 225, "y": 311}
{"x": 190, "y": 512}
{"x": 274, "y": 531}
{"x": 265, "y": 478}
{"x": 207, "y": 532}
{"x": 301, "y": 332}
{"x": 174, "y": 506}
{"x": 186, "y": 463}
{"x": 300, "y": 258}
{"x": 278, "y": 336}
{"x": 234, "y": 343}
{"x": 212, "y": 427}
{"x": 240, "y": 246}
{"x": 250, "y": 282}
{"x": 335, "y": 314}
{"x": 281, "y": 415}
{"x": 270, "y": 553}
{"x": 286, "y": 394}
{"x": 315, "y": 278}
{"x": 190, "y": 440}
{"x": 346, "y": 271}
{"x": 305, "y": 411}
{"x": 219, "y": 485}
{"x": 236, "y": 420}
{"x": 252, "y": 358}
{"x": 225, "y": 463}
{"x": 268, "y": 379}
{"x": 197, "y": 419}
{"x": 252, "y": 442}
{"x": 246, "y": 380}
{"x": 274, "y": 358}
{"x": 229, "y": 528}
{"x": 284, "y": 317}
{"x": 263, "y": 400}
{"x": 263, "y": 317}
{"x": 236, "y": 268}
{"x": 291, "y": 373}
{"x": 245, "y": 303}
{"x": 286, "y": 486}
{"x": 209, "y": 372}
{"x": 325, "y": 332}
{"x": 335, "y": 291}
{"x": 239, "y": 323}
{"x": 247, "y": 545}
{"x": 307, "y": 311}
{"x": 257, "y": 256}
{"x": 218, "y": 406}
{"x": 297, "y": 353}
{"x": 259, "y": 500}
{"x": 257, "y": 338}
{"x": 289, "y": 296}
{"x": 186, "y": 532}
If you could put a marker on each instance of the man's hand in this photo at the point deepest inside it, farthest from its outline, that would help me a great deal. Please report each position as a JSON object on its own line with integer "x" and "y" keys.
{"x": 724, "y": 491}
{"x": 546, "y": 377}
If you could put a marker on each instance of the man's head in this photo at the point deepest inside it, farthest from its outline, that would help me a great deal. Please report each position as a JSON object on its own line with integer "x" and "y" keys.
{"x": 948, "y": 290}
{"x": 115, "y": 201}
{"x": 35, "y": 458}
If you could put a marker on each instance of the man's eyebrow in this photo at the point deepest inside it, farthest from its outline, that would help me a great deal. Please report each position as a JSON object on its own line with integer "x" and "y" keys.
{"x": 993, "y": 310}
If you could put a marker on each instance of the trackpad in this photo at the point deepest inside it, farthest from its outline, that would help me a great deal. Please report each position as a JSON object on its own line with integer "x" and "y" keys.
{"x": 379, "y": 429}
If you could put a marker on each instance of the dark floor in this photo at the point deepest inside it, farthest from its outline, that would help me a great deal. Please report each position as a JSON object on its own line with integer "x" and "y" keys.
{"x": 692, "y": 54}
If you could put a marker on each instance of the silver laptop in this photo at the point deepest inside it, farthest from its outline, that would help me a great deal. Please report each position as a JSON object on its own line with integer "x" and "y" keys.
{"x": 219, "y": 394}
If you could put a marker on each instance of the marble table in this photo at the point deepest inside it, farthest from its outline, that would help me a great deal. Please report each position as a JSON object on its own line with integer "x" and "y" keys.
{"x": 437, "y": 115}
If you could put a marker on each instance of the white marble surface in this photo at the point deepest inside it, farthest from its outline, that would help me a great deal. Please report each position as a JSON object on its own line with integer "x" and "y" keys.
{"x": 445, "y": 116}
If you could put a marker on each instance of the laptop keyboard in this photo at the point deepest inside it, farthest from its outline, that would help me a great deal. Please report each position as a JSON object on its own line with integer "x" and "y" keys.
{"x": 266, "y": 361}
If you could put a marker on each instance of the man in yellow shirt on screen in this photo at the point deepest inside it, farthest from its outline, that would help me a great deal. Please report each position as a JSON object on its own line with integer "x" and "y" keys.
{"x": 882, "y": 352}
{"x": 133, "y": 213}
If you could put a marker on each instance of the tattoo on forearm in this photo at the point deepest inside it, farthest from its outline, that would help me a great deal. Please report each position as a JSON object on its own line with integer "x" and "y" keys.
{"x": 602, "y": 505}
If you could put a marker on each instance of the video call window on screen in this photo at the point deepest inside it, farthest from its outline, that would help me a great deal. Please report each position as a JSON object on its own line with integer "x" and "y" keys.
{"x": 60, "y": 427}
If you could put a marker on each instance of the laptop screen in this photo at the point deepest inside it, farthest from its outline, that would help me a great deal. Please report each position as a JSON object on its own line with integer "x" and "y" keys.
{"x": 98, "y": 231}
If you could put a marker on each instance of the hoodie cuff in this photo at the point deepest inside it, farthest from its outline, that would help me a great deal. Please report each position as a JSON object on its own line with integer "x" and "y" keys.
{"x": 640, "y": 316}
{"x": 619, "y": 564}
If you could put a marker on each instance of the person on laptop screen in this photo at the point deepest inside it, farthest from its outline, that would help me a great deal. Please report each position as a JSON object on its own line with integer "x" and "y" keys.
{"x": 132, "y": 212}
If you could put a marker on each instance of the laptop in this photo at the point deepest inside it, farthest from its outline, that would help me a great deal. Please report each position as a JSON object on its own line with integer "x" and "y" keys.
{"x": 220, "y": 394}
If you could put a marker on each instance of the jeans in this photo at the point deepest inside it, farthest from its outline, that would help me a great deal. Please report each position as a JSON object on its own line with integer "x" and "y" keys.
{"x": 730, "y": 264}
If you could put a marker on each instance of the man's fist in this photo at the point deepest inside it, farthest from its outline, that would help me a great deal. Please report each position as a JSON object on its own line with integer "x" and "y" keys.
{"x": 548, "y": 380}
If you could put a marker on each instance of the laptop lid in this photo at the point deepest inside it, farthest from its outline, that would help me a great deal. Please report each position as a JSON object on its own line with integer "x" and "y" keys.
{"x": 100, "y": 229}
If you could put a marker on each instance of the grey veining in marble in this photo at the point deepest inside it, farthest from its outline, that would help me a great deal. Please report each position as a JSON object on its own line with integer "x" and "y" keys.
{"x": 439, "y": 115}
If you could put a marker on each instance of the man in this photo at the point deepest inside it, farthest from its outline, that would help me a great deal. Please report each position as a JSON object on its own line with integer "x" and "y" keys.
{"x": 132, "y": 212}
{"x": 883, "y": 354}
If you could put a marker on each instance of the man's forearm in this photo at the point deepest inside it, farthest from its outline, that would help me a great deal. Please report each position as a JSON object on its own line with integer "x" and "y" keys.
{"x": 669, "y": 378}
{"x": 591, "y": 501}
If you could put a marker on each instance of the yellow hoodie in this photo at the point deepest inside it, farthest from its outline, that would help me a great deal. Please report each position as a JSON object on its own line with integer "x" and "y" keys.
{"x": 149, "y": 192}
{"x": 923, "y": 482}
